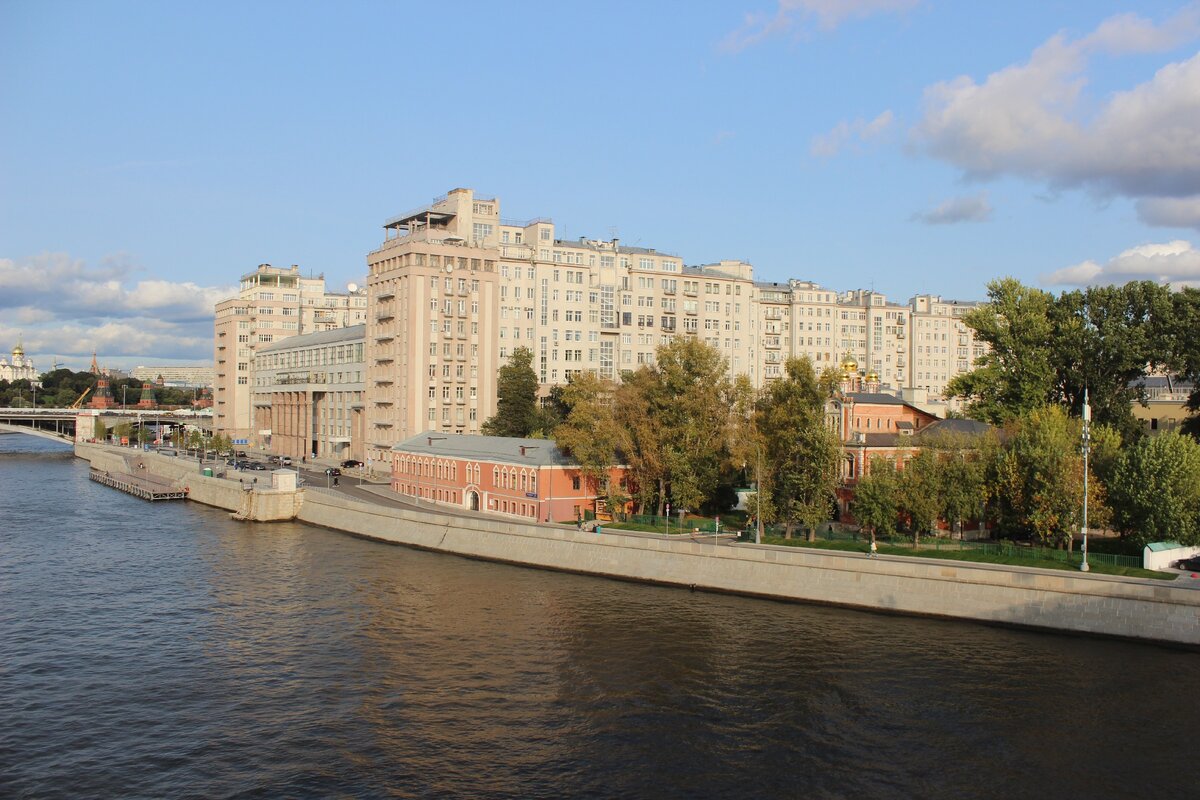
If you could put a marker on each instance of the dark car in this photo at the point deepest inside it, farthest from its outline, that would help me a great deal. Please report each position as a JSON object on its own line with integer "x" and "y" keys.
{"x": 350, "y": 463}
{"x": 334, "y": 471}
{"x": 1188, "y": 564}
{"x": 239, "y": 453}
{"x": 256, "y": 465}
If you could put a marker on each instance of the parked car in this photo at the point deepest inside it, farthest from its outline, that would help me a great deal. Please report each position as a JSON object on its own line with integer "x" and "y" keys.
{"x": 257, "y": 465}
{"x": 285, "y": 461}
{"x": 273, "y": 459}
{"x": 334, "y": 471}
{"x": 350, "y": 463}
{"x": 1189, "y": 564}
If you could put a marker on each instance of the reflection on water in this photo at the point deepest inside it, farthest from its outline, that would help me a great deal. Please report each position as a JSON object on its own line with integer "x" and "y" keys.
{"x": 165, "y": 650}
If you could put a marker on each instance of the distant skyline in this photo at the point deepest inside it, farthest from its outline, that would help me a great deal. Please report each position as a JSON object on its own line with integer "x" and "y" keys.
{"x": 152, "y": 153}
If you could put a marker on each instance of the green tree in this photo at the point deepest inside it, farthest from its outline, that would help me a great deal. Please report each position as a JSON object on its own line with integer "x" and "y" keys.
{"x": 801, "y": 453}
{"x": 919, "y": 492}
{"x": 99, "y": 430}
{"x": 1185, "y": 350}
{"x": 590, "y": 432}
{"x": 641, "y": 438}
{"x": 516, "y": 397}
{"x": 123, "y": 430}
{"x": 1104, "y": 339}
{"x": 960, "y": 460}
{"x": 876, "y": 498}
{"x": 1155, "y": 491}
{"x": 690, "y": 404}
{"x": 1038, "y": 479}
{"x": 1017, "y": 374}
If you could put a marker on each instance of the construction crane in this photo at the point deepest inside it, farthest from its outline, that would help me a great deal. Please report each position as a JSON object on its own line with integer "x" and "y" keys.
{"x": 79, "y": 401}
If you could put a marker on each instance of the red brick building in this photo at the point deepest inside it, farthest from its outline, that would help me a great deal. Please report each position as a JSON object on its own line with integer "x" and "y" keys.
{"x": 529, "y": 478}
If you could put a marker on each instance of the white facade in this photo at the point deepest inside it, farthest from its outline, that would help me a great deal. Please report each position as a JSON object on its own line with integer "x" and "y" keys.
{"x": 19, "y": 368}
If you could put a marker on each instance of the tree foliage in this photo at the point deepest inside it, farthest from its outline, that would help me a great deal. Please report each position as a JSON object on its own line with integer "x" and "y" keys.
{"x": 688, "y": 399}
{"x": 590, "y": 432}
{"x": 1038, "y": 479}
{"x": 1155, "y": 490}
{"x": 919, "y": 487}
{"x": 1017, "y": 374}
{"x": 516, "y": 398}
{"x": 801, "y": 452}
{"x": 876, "y": 503}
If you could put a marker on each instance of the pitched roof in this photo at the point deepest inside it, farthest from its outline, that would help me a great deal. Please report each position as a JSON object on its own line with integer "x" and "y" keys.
{"x": 963, "y": 427}
{"x": 347, "y": 334}
{"x": 497, "y": 449}
{"x": 877, "y": 398}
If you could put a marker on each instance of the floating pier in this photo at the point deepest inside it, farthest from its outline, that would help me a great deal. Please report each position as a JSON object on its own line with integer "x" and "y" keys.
{"x": 138, "y": 487}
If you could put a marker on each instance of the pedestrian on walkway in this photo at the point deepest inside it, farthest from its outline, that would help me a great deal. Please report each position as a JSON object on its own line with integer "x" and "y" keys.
{"x": 874, "y": 550}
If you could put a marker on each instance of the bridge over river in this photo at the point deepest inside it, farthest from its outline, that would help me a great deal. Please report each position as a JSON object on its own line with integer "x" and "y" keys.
{"x": 60, "y": 424}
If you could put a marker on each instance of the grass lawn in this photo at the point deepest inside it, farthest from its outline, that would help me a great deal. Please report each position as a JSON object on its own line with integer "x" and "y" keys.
{"x": 977, "y": 556}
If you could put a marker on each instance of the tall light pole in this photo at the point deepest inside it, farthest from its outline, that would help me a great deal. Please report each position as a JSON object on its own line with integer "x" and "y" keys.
{"x": 1087, "y": 436}
{"x": 123, "y": 388}
{"x": 758, "y": 494}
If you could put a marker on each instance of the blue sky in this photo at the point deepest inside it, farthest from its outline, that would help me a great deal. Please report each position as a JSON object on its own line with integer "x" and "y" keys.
{"x": 151, "y": 153}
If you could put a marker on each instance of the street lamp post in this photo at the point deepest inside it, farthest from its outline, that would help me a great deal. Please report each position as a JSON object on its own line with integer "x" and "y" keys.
{"x": 123, "y": 388}
{"x": 1087, "y": 436}
{"x": 758, "y": 530}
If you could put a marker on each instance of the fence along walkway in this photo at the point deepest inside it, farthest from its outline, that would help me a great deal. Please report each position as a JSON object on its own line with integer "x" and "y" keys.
{"x": 138, "y": 487}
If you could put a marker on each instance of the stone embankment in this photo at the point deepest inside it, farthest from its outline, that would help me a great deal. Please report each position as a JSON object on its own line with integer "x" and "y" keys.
{"x": 1067, "y": 601}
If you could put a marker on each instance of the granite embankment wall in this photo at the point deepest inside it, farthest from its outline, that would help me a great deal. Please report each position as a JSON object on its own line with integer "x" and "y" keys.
{"x": 262, "y": 505}
{"x": 1112, "y": 606}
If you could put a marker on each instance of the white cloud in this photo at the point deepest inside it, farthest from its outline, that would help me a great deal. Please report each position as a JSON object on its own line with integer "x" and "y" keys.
{"x": 829, "y": 144}
{"x": 1031, "y": 120}
{"x": 973, "y": 208}
{"x": 794, "y": 16}
{"x": 59, "y": 306}
{"x": 1175, "y": 263}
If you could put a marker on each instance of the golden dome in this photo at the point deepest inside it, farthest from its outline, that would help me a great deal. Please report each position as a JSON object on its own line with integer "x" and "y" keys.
{"x": 18, "y": 350}
{"x": 849, "y": 364}
{"x": 872, "y": 377}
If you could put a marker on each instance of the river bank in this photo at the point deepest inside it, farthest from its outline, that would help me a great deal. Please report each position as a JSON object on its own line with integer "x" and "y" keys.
{"x": 1029, "y": 597}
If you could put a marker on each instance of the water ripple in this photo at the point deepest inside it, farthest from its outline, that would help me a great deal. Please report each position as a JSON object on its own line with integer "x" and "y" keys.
{"x": 166, "y": 651}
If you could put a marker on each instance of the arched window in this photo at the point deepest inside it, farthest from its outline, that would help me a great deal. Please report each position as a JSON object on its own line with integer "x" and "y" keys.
{"x": 495, "y": 476}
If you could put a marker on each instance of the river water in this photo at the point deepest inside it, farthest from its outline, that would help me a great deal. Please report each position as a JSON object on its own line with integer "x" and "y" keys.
{"x": 164, "y": 650}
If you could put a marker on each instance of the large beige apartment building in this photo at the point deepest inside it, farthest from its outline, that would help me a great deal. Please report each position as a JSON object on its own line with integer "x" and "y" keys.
{"x": 455, "y": 288}
{"x": 272, "y": 303}
{"x": 942, "y": 344}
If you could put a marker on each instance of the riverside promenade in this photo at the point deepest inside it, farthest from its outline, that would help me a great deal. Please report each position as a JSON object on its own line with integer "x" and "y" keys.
{"x": 1056, "y": 600}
